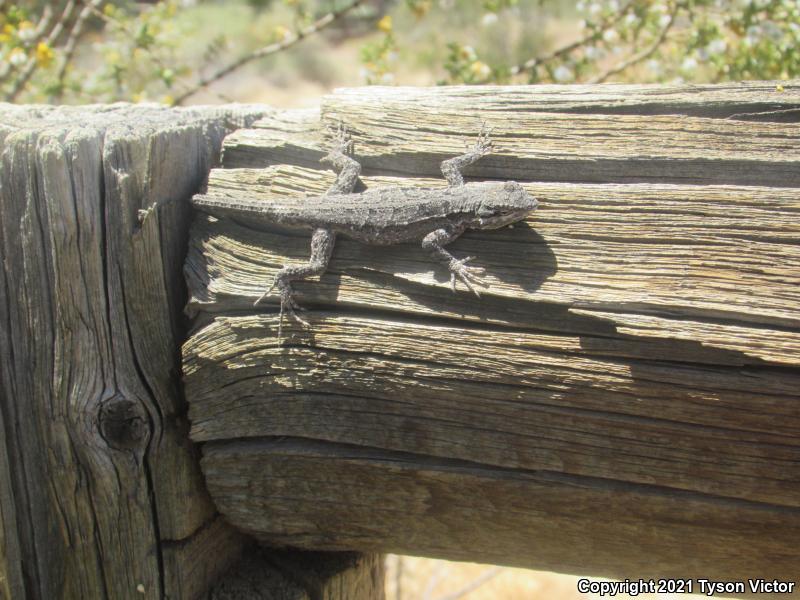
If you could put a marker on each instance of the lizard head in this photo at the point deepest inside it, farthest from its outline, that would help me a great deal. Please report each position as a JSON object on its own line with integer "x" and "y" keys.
{"x": 503, "y": 204}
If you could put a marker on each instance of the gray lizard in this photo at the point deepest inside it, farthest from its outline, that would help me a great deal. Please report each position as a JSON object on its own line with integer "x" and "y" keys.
{"x": 383, "y": 216}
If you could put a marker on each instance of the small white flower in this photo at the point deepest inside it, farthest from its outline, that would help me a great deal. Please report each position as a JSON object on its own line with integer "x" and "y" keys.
{"x": 689, "y": 64}
{"x": 664, "y": 20}
{"x": 613, "y": 5}
{"x": 387, "y": 79}
{"x": 610, "y": 36}
{"x": 27, "y": 34}
{"x": 580, "y": 6}
{"x": 631, "y": 19}
{"x": 717, "y": 46}
{"x": 592, "y": 52}
{"x": 654, "y": 66}
{"x": 489, "y": 19}
{"x": 17, "y": 58}
{"x": 595, "y": 9}
{"x": 562, "y": 74}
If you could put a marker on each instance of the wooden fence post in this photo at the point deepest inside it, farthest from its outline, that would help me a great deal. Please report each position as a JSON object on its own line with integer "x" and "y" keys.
{"x": 100, "y": 493}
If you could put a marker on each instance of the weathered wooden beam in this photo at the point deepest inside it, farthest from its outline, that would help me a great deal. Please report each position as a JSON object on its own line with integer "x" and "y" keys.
{"x": 542, "y": 136}
{"x": 710, "y": 265}
{"x": 101, "y": 493}
{"x": 332, "y": 496}
{"x": 622, "y": 400}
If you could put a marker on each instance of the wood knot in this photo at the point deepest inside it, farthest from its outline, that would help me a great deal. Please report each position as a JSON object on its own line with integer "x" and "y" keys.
{"x": 123, "y": 423}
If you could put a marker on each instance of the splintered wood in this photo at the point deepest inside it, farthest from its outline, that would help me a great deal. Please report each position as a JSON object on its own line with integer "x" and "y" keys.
{"x": 623, "y": 400}
{"x": 101, "y": 495}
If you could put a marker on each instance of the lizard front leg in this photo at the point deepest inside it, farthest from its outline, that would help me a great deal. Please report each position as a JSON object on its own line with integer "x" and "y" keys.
{"x": 452, "y": 167}
{"x": 344, "y": 165}
{"x": 434, "y": 242}
{"x": 322, "y": 242}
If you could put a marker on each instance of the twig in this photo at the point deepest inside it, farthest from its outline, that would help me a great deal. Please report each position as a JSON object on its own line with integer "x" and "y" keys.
{"x": 531, "y": 64}
{"x": 30, "y": 66}
{"x": 74, "y": 36}
{"x": 439, "y": 573}
{"x": 43, "y": 25}
{"x": 290, "y": 41}
{"x": 644, "y": 54}
{"x": 474, "y": 584}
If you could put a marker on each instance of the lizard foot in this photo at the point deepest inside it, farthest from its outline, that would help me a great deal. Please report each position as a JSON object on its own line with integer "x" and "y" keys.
{"x": 288, "y": 304}
{"x": 468, "y": 275}
{"x": 290, "y": 307}
{"x": 484, "y": 144}
{"x": 342, "y": 143}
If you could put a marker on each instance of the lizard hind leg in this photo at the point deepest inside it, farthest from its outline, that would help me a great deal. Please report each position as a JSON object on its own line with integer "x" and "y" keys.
{"x": 322, "y": 242}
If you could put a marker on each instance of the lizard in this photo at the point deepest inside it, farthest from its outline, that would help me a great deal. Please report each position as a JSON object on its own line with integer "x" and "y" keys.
{"x": 383, "y": 216}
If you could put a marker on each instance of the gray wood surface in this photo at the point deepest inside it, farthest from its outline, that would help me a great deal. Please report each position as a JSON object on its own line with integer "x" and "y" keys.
{"x": 624, "y": 401}
{"x": 100, "y": 490}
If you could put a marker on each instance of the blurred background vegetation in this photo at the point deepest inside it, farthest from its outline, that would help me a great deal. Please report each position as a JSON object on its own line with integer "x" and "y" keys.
{"x": 289, "y": 52}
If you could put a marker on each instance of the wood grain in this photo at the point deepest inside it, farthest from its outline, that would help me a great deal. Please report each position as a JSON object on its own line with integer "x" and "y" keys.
{"x": 622, "y": 401}
{"x": 659, "y": 137}
{"x": 501, "y": 398}
{"x": 326, "y": 495}
{"x": 717, "y": 263}
{"x": 98, "y": 474}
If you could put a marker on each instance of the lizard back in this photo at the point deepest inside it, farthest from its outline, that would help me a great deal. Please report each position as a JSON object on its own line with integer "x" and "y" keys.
{"x": 386, "y": 215}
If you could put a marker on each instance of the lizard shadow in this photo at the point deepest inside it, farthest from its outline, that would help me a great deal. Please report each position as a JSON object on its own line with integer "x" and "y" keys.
{"x": 517, "y": 259}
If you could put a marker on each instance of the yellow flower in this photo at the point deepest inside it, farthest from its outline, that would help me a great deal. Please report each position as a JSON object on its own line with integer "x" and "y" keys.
{"x": 44, "y": 54}
{"x": 168, "y": 100}
{"x": 25, "y": 25}
{"x": 480, "y": 69}
{"x": 109, "y": 9}
{"x": 281, "y": 33}
{"x": 385, "y": 24}
{"x": 420, "y": 9}
{"x": 8, "y": 28}
{"x": 4, "y": 38}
